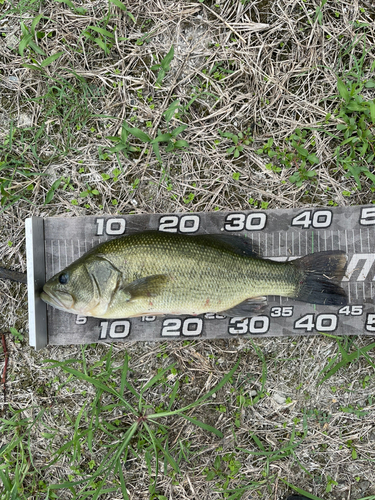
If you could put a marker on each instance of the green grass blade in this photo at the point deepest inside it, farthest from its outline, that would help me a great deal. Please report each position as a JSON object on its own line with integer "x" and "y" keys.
{"x": 369, "y": 360}
{"x": 102, "y": 45}
{"x": 158, "y": 445}
{"x": 69, "y": 3}
{"x": 204, "y": 426}
{"x": 156, "y": 378}
{"x": 300, "y": 490}
{"x": 258, "y": 442}
{"x": 51, "y": 193}
{"x": 137, "y": 133}
{"x": 36, "y": 21}
{"x": 348, "y": 359}
{"x": 217, "y": 387}
{"x": 5, "y": 480}
{"x": 24, "y": 43}
{"x": 181, "y": 144}
{"x": 372, "y": 111}
{"x": 155, "y": 147}
{"x": 131, "y": 389}
{"x": 343, "y": 353}
{"x": 36, "y": 49}
{"x": 343, "y": 91}
{"x": 107, "y": 462}
{"x": 121, "y": 6}
{"x": 50, "y": 59}
{"x": 32, "y": 66}
{"x": 94, "y": 382}
{"x": 370, "y": 175}
{"x": 173, "y": 394}
{"x": 178, "y": 130}
{"x": 101, "y": 31}
{"x": 124, "y": 374}
{"x": 124, "y": 491}
{"x": 155, "y": 452}
{"x": 162, "y": 138}
{"x": 170, "y": 111}
{"x": 167, "y": 59}
{"x": 160, "y": 77}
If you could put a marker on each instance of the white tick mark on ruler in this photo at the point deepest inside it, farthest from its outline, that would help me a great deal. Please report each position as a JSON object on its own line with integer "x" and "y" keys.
{"x": 369, "y": 243}
{"x": 53, "y": 259}
{"x": 59, "y": 253}
{"x": 353, "y": 234}
{"x": 346, "y": 241}
{"x": 265, "y": 250}
{"x": 259, "y": 241}
{"x": 286, "y": 243}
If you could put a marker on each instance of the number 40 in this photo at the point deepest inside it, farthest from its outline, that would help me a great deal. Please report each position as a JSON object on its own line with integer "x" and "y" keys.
{"x": 319, "y": 219}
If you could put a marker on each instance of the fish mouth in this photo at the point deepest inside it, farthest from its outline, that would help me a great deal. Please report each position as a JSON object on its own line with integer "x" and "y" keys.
{"x": 52, "y": 300}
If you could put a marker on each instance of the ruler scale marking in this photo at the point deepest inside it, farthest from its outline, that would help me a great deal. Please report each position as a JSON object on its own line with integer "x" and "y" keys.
{"x": 351, "y": 229}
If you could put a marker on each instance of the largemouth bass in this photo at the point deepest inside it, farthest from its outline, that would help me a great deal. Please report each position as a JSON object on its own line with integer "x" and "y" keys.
{"x": 154, "y": 273}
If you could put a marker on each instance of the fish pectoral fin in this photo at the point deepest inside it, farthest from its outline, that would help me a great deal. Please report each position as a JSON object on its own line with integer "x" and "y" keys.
{"x": 250, "y": 307}
{"x": 143, "y": 288}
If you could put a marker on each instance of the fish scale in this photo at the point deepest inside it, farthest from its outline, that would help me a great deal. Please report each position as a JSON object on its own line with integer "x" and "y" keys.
{"x": 165, "y": 273}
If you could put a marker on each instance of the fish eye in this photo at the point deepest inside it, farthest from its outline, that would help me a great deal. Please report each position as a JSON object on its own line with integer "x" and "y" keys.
{"x": 63, "y": 278}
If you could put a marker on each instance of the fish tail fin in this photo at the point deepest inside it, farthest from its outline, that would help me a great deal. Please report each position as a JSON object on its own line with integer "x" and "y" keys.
{"x": 320, "y": 274}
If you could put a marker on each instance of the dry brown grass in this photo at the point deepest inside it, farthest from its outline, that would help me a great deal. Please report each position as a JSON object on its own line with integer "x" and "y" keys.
{"x": 282, "y": 75}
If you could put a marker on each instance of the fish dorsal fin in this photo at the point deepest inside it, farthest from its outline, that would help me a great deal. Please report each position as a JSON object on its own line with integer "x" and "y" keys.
{"x": 142, "y": 288}
{"x": 237, "y": 244}
{"x": 248, "y": 308}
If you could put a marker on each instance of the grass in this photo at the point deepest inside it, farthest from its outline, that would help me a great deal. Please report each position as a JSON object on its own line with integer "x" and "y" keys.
{"x": 144, "y": 435}
{"x": 128, "y": 107}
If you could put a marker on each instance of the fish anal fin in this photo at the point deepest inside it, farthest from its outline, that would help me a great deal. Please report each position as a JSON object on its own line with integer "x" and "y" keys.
{"x": 250, "y": 307}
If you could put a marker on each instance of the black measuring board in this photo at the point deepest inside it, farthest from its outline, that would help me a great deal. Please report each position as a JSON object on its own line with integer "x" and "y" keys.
{"x": 280, "y": 234}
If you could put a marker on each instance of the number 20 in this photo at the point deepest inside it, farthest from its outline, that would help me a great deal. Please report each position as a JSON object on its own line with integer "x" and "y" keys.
{"x": 185, "y": 224}
{"x": 189, "y": 327}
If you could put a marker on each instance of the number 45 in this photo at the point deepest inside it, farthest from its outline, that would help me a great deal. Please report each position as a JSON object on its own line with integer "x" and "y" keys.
{"x": 351, "y": 310}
